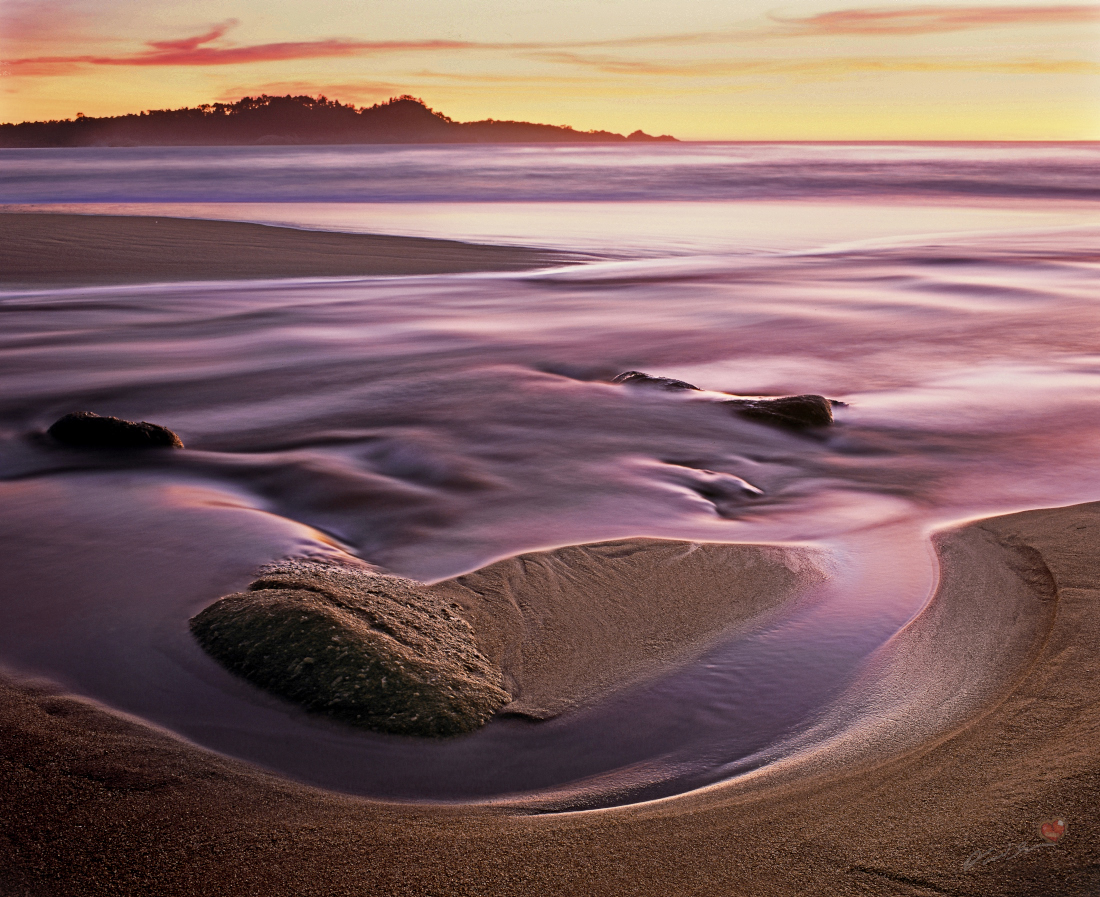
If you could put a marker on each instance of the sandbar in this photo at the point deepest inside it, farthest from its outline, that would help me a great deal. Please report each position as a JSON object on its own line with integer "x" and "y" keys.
{"x": 39, "y": 249}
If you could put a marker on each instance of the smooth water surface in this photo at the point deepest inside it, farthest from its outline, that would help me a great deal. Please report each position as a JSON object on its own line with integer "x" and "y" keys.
{"x": 433, "y": 424}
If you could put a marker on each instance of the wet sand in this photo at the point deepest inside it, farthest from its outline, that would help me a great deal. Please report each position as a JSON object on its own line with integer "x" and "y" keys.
{"x": 945, "y": 795}
{"x": 48, "y": 249}
{"x": 571, "y": 625}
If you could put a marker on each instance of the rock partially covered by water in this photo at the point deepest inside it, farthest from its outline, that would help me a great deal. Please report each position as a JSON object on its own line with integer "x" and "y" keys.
{"x": 796, "y": 412}
{"x": 368, "y": 649}
{"x": 638, "y": 378}
{"x": 84, "y": 429}
{"x": 793, "y": 412}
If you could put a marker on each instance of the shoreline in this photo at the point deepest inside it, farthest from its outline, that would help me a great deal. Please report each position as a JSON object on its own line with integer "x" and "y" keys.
{"x": 43, "y": 249}
{"x": 93, "y": 803}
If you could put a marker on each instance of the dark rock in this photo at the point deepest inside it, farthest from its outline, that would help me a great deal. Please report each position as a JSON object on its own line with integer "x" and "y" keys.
{"x": 83, "y": 429}
{"x": 637, "y": 378}
{"x": 367, "y": 649}
{"x": 796, "y": 412}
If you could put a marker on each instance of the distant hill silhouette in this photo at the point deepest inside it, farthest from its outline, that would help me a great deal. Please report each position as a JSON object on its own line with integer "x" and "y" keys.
{"x": 293, "y": 120}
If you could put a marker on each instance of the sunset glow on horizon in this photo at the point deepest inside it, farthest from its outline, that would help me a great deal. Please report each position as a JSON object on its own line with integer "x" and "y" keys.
{"x": 814, "y": 71}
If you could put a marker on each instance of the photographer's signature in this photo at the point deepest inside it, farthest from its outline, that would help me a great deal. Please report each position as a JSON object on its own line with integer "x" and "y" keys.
{"x": 1050, "y": 831}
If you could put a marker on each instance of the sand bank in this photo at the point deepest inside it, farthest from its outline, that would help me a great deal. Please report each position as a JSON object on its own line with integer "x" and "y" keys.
{"x": 571, "y": 624}
{"x": 540, "y": 633}
{"x": 96, "y": 804}
{"x": 40, "y": 249}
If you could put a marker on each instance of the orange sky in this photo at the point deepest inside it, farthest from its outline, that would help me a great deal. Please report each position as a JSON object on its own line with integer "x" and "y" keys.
{"x": 715, "y": 70}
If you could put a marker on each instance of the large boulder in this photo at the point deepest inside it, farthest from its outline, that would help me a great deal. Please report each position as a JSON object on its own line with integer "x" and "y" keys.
{"x": 84, "y": 429}
{"x": 368, "y": 649}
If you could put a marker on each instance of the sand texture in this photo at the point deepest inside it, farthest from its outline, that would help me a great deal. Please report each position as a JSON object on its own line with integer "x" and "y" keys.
{"x": 569, "y": 625}
{"x": 42, "y": 249}
{"x": 95, "y": 804}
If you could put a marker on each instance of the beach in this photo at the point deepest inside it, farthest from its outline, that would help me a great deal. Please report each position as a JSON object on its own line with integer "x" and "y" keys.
{"x": 95, "y": 803}
{"x": 731, "y": 656}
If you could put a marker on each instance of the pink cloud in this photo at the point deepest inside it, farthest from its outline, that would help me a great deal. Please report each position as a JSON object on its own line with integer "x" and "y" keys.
{"x": 193, "y": 43}
{"x": 825, "y": 66}
{"x": 209, "y": 49}
{"x": 937, "y": 19}
{"x": 196, "y": 51}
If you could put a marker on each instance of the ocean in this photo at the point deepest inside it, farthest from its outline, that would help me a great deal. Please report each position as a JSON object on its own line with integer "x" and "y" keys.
{"x": 947, "y": 295}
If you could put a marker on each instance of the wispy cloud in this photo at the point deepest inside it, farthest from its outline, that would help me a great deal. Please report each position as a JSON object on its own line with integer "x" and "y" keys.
{"x": 821, "y": 66}
{"x": 23, "y": 21}
{"x": 937, "y": 19}
{"x": 188, "y": 44}
{"x": 210, "y": 48}
{"x": 197, "y": 51}
{"x": 208, "y": 56}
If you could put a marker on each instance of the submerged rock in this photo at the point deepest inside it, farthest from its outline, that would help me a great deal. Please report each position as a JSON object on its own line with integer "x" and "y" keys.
{"x": 638, "y": 378}
{"x": 797, "y": 412}
{"x": 84, "y": 429}
{"x": 368, "y": 649}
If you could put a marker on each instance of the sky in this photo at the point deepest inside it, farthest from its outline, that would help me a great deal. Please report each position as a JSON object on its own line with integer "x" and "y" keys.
{"x": 704, "y": 70}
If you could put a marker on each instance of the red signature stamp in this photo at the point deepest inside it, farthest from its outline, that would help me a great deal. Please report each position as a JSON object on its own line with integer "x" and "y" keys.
{"x": 1051, "y": 831}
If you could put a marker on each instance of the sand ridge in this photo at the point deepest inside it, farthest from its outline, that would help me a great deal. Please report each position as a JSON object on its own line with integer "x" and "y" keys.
{"x": 574, "y": 623}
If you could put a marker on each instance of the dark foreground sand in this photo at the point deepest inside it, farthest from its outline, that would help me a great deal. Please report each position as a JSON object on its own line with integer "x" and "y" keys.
{"x": 42, "y": 249}
{"x": 94, "y": 804}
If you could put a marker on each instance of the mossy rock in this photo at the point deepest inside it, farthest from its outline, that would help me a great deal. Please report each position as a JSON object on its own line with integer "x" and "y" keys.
{"x": 371, "y": 650}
